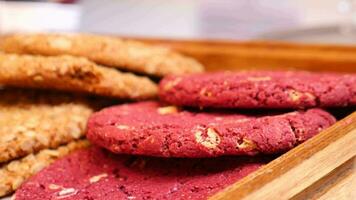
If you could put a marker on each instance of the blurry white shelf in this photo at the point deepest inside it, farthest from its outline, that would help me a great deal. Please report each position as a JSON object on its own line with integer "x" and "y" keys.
{"x": 322, "y": 34}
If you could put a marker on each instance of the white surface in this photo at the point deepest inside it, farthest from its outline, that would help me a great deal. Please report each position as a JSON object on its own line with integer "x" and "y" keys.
{"x": 38, "y": 16}
{"x": 225, "y": 19}
{"x": 158, "y": 18}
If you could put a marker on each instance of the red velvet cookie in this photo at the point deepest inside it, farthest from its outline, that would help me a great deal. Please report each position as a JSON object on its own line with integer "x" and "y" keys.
{"x": 260, "y": 89}
{"x": 145, "y": 128}
{"x": 95, "y": 174}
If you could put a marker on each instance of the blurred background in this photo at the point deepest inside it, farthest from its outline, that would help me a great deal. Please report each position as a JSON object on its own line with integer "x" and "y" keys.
{"x": 325, "y": 21}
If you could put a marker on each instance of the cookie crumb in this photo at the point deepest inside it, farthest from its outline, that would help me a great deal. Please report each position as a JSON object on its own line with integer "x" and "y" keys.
{"x": 54, "y": 186}
{"x": 97, "y": 178}
{"x": 167, "y": 110}
{"x": 211, "y": 141}
{"x": 246, "y": 144}
{"x": 122, "y": 127}
{"x": 294, "y": 95}
{"x": 66, "y": 192}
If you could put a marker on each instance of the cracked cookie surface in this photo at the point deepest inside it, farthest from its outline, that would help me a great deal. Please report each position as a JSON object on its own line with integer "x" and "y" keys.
{"x": 32, "y": 120}
{"x": 97, "y": 174}
{"x": 146, "y": 128}
{"x": 72, "y": 74}
{"x": 128, "y": 55}
{"x": 260, "y": 89}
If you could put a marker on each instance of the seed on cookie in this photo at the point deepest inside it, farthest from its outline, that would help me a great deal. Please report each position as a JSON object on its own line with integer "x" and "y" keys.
{"x": 123, "y": 54}
{"x": 66, "y": 192}
{"x": 246, "y": 144}
{"x": 72, "y": 74}
{"x": 97, "y": 178}
{"x": 210, "y": 141}
{"x": 167, "y": 110}
{"x": 296, "y": 95}
{"x": 54, "y": 186}
{"x": 122, "y": 127}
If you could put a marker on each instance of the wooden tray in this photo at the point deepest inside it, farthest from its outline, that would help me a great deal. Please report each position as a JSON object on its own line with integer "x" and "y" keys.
{"x": 324, "y": 166}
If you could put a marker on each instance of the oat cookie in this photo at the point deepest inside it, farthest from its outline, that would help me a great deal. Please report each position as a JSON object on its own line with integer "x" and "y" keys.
{"x": 14, "y": 173}
{"x": 260, "y": 89}
{"x": 146, "y": 128}
{"x": 124, "y": 54}
{"x": 33, "y": 120}
{"x": 72, "y": 74}
{"x": 96, "y": 174}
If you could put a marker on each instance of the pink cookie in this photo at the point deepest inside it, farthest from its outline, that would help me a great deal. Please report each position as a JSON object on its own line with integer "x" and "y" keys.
{"x": 260, "y": 89}
{"x": 95, "y": 174}
{"x": 146, "y": 128}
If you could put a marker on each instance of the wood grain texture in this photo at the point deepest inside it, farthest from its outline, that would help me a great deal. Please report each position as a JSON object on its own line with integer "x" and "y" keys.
{"x": 299, "y": 168}
{"x": 226, "y": 55}
{"x": 336, "y": 184}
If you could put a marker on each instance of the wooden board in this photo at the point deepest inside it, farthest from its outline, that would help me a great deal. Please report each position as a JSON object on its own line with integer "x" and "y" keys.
{"x": 220, "y": 55}
{"x": 298, "y": 169}
{"x": 321, "y": 168}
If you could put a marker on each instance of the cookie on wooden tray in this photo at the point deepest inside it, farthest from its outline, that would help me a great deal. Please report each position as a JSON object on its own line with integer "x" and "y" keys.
{"x": 14, "y": 173}
{"x": 73, "y": 74}
{"x": 260, "y": 89}
{"x": 96, "y": 174}
{"x": 146, "y": 128}
{"x": 34, "y": 120}
{"x": 128, "y": 55}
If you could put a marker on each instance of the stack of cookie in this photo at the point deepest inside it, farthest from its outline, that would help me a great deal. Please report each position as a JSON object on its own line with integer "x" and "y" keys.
{"x": 52, "y": 83}
{"x": 206, "y": 132}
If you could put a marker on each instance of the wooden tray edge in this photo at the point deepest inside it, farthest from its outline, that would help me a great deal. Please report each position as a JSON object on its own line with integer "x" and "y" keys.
{"x": 295, "y": 170}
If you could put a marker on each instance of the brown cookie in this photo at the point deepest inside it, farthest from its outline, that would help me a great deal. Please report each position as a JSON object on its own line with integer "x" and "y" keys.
{"x": 34, "y": 120}
{"x": 74, "y": 74}
{"x": 14, "y": 173}
{"x": 124, "y": 54}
